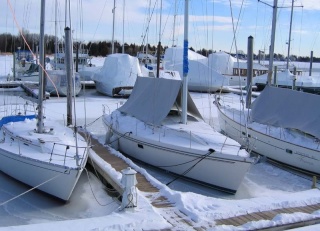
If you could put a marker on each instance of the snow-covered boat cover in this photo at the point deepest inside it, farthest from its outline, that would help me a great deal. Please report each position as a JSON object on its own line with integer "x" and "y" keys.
{"x": 152, "y": 99}
{"x": 174, "y": 55}
{"x": 222, "y": 62}
{"x": 201, "y": 77}
{"x": 118, "y": 70}
{"x": 288, "y": 108}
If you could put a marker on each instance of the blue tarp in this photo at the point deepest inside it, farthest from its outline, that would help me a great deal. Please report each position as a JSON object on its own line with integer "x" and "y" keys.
{"x": 15, "y": 118}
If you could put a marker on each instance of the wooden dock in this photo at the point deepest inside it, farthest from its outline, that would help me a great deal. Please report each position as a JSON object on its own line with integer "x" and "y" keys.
{"x": 30, "y": 88}
{"x": 179, "y": 220}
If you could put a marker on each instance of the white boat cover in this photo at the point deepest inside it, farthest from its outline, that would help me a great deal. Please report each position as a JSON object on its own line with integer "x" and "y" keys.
{"x": 201, "y": 77}
{"x": 118, "y": 71}
{"x": 174, "y": 55}
{"x": 287, "y": 108}
{"x": 152, "y": 99}
{"x": 58, "y": 82}
{"x": 285, "y": 78}
{"x": 222, "y": 62}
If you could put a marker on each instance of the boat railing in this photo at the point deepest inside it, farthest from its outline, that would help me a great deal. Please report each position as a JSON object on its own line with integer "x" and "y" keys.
{"x": 17, "y": 109}
{"x": 282, "y": 133}
{"x": 74, "y": 156}
{"x": 194, "y": 138}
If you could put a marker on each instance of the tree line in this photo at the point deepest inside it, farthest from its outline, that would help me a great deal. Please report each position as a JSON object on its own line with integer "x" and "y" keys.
{"x": 10, "y": 43}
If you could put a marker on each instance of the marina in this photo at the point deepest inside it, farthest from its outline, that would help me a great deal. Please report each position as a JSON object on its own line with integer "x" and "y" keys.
{"x": 129, "y": 135}
{"x": 159, "y": 197}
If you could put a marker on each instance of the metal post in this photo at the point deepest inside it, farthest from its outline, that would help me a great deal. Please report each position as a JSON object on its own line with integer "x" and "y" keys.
{"x": 273, "y": 34}
{"x": 185, "y": 64}
{"x": 311, "y": 61}
{"x": 275, "y": 76}
{"x": 69, "y": 73}
{"x": 294, "y": 78}
{"x": 129, "y": 181}
{"x": 40, "y": 124}
{"x": 249, "y": 71}
{"x": 259, "y": 57}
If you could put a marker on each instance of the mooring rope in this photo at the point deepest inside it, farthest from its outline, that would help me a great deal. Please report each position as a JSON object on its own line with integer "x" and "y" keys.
{"x": 94, "y": 196}
{"x": 124, "y": 134}
{"x": 189, "y": 169}
{"x": 89, "y": 124}
{"x": 110, "y": 190}
{"x": 3, "y": 203}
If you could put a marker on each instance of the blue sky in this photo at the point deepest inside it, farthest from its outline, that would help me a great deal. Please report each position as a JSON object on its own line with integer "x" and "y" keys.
{"x": 210, "y": 22}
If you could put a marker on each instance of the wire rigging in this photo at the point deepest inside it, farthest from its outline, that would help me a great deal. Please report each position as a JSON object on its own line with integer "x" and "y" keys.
{"x": 190, "y": 168}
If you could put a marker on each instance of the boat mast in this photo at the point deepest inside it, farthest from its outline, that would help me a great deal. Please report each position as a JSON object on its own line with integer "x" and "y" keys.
{"x": 149, "y": 19}
{"x": 174, "y": 21}
{"x": 185, "y": 64}
{"x": 40, "y": 124}
{"x": 55, "y": 33}
{"x": 114, "y": 15}
{"x": 273, "y": 33}
{"x": 69, "y": 72}
{"x": 159, "y": 44}
{"x": 289, "y": 42}
{"x": 124, "y": 3}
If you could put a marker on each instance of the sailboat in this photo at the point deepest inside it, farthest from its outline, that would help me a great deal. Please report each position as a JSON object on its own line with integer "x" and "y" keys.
{"x": 56, "y": 77}
{"x": 117, "y": 75}
{"x": 286, "y": 79}
{"x": 281, "y": 124}
{"x": 41, "y": 153}
{"x": 160, "y": 125}
{"x": 119, "y": 72}
{"x": 201, "y": 76}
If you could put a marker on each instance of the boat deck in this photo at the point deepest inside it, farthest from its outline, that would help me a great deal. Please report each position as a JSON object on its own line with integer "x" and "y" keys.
{"x": 177, "y": 218}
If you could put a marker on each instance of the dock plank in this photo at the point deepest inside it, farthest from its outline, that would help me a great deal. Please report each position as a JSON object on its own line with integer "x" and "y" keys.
{"x": 170, "y": 213}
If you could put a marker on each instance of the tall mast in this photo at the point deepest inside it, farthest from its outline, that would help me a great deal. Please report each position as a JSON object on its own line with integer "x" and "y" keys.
{"x": 149, "y": 19}
{"x": 289, "y": 42}
{"x": 273, "y": 33}
{"x": 114, "y": 15}
{"x": 174, "y": 21}
{"x": 40, "y": 124}
{"x": 159, "y": 44}
{"x": 124, "y": 3}
{"x": 185, "y": 64}
{"x": 69, "y": 72}
{"x": 55, "y": 34}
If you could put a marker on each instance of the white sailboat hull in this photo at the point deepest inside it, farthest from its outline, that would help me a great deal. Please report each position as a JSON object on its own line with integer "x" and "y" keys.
{"x": 34, "y": 173}
{"x": 49, "y": 161}
{"x": 220, "y": 171}
{"x": 297, "y": 156}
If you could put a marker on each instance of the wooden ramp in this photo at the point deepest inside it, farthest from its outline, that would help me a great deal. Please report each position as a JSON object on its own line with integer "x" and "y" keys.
{"x": 167, "y": 210}
{"x": 269, "y": 215}
{"x": 179, "y": 220}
